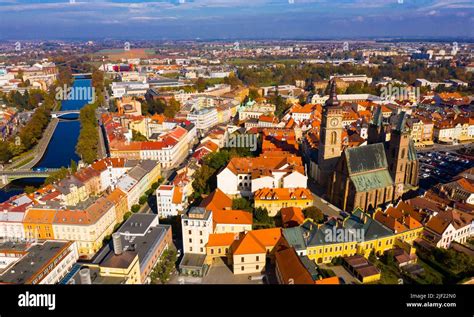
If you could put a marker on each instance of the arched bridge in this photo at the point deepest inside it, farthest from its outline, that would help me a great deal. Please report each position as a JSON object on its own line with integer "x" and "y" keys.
{"x": 57, "y": 114}
{"x": 8, "y": 176}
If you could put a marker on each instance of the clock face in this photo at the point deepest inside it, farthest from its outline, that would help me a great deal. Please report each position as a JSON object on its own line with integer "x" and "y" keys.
{"x": 334, "y": 122}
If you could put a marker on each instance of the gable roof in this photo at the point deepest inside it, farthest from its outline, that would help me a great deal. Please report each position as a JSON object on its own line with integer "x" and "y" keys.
{"x": 366, "y": 158}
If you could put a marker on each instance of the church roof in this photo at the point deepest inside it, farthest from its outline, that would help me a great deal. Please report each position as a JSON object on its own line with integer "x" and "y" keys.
{"x": 366, "y": 158}
{"x": 370, "y": 181}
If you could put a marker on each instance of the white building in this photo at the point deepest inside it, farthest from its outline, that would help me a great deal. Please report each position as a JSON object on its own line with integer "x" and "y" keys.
{"x": 244, "y": 176}
{"x": 11, "y": 226}
{"x": 169, "y": 201}
{"x": 196, "y": 227}
{"x": 448, "y": 226}
{"x": 204, "y": 119}
{"x": 56, "y": 260}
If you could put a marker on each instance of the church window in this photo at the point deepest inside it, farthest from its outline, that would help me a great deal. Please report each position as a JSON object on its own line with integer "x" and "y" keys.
{"x": 403, "y": 154}
{"x": 333, "y": 137}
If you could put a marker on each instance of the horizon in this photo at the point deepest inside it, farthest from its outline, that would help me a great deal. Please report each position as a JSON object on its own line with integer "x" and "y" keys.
{"x": 236, "y": 19}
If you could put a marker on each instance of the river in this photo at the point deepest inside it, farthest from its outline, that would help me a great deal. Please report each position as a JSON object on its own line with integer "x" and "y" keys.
{"x": 61, "y": 149}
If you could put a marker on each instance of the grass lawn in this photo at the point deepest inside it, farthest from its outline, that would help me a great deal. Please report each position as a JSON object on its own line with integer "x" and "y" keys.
{"x": 430, "y": 276}
{"x": 390, "y": 274}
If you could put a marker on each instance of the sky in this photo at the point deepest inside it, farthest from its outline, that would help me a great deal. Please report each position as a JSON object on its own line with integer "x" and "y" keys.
{"x": 234, "y": 19}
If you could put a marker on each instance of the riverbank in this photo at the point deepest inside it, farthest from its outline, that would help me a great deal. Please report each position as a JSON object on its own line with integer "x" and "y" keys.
{"x": 35, "y": 155}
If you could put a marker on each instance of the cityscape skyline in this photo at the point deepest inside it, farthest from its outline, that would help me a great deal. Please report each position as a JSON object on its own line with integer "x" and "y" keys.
{"x": 235, "y": 19}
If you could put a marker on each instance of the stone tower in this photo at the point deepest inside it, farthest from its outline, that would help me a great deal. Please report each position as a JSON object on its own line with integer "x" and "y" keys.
{"x": 397, "y": 154}
{"x": 330, "y": 139}
{"x": 376, "y": 131}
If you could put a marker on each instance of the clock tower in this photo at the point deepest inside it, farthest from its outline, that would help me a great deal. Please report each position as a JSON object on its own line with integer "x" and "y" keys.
{"x": 330, "y": 138}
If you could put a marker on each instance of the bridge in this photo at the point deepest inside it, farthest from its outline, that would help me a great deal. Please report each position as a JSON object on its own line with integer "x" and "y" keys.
{"x": 57, "y": 114}
{"x": 7, "y": 176}
{"x": 86, "y": 75}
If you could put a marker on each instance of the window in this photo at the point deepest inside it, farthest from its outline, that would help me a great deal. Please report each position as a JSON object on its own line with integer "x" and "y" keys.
{"x": 242, "y": 259}
{"x": 242, "y": 268}
{"x": 257, "y": 258}
{"x": 190, "y": 240}
{"x": 257, "y": 267}
{"x": 333, "y": 137}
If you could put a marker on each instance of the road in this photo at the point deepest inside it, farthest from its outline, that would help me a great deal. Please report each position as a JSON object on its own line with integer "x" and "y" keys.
{"x": 38, "y": 151}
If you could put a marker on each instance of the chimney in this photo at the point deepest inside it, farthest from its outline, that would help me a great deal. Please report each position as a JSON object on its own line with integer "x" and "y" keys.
{"x": 117, "y": 243}
{"x": 85, "y": 275}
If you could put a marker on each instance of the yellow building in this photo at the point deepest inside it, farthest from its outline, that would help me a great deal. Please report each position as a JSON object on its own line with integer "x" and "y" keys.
{"x": 38, "y": 224}
{"x": 87, "y": 227}
{"x": 274, "y": 199}
{"x": 250, "y": 252}
{"x": 358, "y": 235}
{"x": 125, "y": 266}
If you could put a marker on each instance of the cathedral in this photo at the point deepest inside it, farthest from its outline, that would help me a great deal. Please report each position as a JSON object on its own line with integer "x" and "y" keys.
{"x": 365, "y": 176}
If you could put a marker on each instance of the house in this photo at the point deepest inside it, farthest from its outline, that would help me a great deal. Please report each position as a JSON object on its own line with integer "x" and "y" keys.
{"x": 196, "y": 226}
{"x": 244, "y": 176}
{"x": 448, "y": 226}
{"x": 291, "y": 217}
{"x": 232, "y": 221}
{"x": 170, "y": 201}
{"x": 274, "y": 199}
{"x": 251, "y": 250}
{"x": 293, "y": 269}
{"x": 216, "y": 200}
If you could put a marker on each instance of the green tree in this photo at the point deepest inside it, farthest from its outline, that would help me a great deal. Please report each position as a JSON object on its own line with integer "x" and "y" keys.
{"x": 200, "y": 84}
{"x": 143, "y": 199}
{"x": 314, "y": 213}
{"x": 58, "y": 175}
{"x": 137, "y": 136}
{"x": 242, "y": 204}
{"x": 172, "y": 108}
{"x": 5, "y": 152}
{"x": 162, "y": 271}
{"x": 73, "y": 166}
{"x": 88, "y": 142}
{"x": 135, "y": 208}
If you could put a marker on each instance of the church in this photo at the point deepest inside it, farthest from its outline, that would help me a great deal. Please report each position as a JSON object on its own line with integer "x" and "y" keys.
{"x": 365, "y": 176}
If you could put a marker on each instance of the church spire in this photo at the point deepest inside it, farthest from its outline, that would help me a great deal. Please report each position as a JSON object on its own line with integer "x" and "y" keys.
{"x": 332, "y": 101}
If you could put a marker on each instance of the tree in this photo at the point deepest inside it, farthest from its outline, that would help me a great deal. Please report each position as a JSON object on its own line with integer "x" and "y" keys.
{"x": 88, "y": 142}
{"x": 30, "y": 189}
{"x": 200, "y": 84}
{"x": 314, "y": 213}
{"x": 162, "y": 271}
{"x": 135, "y": 208}
{"x": 137, "y": 136}
{"x": 172, "y": 108}
{"x": 143, "y": 199}
{"x": 57, "y": 175}
{"x": 242, "y": 204}
{"x": 261, "y": 215}
{"x": 73, "y": 166}
{"x": 5, "y": 152}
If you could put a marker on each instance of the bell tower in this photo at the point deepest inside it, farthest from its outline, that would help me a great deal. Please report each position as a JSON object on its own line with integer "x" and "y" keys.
{"x": 330, "y": 138}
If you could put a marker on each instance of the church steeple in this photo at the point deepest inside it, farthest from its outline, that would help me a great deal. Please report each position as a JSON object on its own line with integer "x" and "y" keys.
{"x": 332, "y": 101}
